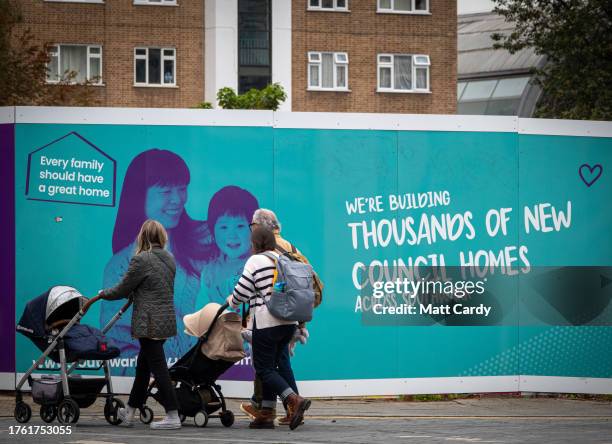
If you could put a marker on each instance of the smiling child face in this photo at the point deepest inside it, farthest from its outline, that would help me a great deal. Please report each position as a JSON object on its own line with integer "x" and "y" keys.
{"x": 232, "y": 235}
{"x": 166, "y": 204}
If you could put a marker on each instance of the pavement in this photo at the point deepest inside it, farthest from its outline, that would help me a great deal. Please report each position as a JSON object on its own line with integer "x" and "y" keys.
{"x": 486, "y": 420}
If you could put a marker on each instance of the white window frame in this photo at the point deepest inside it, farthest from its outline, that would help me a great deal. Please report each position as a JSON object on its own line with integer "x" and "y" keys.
{"x": 315, "y": 58}
{"x": 414, "y": 66}
{"x": 155, "y": 3}
{"x": 335, "y": 8}
{"x": 89, "y": 57}
{"x": 413, "y": 11}
{"x": 163, "y": 58}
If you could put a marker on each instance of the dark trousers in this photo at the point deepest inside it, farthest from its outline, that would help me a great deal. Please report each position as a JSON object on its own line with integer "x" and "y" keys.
{"x": 271, "y": 359}
{"x": 284, "y": 367}
{"x": 151, "y": 359}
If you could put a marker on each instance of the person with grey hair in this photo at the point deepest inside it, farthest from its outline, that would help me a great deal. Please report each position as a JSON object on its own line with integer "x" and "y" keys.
{"x": 267, "y": 218}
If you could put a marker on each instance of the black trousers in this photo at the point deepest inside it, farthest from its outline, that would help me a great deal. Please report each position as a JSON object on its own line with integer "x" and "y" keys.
{"x": 151, "y": 359}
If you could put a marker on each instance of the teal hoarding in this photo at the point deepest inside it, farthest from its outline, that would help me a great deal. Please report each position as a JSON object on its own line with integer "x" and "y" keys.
{"x": 354, "y": 201}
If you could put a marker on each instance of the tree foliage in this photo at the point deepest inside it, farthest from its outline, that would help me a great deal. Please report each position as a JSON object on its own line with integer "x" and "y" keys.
{"x": 23, "y": 68}
{"x": 575, "y": 37}
{"x": 269, "y": 97}
{"x": 204, "y": 105}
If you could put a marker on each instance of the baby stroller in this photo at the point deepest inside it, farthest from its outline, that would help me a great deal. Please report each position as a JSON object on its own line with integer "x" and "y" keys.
{"x": 219, "y": 346}
{"x": 51, "y": 322}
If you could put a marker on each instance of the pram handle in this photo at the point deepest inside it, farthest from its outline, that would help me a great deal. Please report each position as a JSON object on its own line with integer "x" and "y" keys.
{"x": 89, "y": 303}
{"x": 59, "y": 324}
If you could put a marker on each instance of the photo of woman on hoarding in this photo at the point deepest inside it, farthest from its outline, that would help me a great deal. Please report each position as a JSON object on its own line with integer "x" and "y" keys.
{"x": 155, "y": 187}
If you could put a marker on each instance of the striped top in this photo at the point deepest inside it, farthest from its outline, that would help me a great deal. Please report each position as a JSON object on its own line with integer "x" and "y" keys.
{"x": 254, "y": 286}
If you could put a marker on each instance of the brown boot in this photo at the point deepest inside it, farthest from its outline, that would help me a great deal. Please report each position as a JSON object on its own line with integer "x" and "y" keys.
{"x": 250, "y": 410}
{"x": 264, "y": 419}
{"x": 296, "y": 406}
{"x": 286, "y": 420}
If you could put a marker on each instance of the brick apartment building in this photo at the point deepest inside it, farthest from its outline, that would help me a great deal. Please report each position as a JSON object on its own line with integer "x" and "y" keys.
{"x": 394, "y": 56}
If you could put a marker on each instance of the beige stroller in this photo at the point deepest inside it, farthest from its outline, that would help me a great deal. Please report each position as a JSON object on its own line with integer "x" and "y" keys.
{"x": 219, "y": 347}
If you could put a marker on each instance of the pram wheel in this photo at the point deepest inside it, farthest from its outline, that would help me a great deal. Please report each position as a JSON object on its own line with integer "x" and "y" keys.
{"x": 146, "y": 415}
{"x": 68, "y": 411}
{"x": 23, "y": 412}
{"x": 48, "y": 413}
{"x": 201, "y": 418}
{"x": 111, "y": 410}
{"x": 227, "y": 418}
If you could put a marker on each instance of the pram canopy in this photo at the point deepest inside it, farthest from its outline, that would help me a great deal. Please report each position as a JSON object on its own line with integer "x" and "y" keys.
{"x": 57, "y": 303}
{"x": 62, "y": 303}
{"x": 222, "y": 329}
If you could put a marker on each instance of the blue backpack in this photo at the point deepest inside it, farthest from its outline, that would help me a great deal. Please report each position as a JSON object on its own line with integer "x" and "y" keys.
{"x": 293, "y": 296}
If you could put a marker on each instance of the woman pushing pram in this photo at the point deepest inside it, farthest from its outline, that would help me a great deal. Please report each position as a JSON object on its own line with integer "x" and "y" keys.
{"x": 149, "y": 281}
{"x": 188, "y": 388}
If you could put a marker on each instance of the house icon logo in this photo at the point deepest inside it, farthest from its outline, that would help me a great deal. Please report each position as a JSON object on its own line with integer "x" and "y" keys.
{"x": 72, "y": 170}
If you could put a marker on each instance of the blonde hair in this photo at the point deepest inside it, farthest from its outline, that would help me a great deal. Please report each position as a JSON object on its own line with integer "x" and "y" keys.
{"x": 152, "y": 234}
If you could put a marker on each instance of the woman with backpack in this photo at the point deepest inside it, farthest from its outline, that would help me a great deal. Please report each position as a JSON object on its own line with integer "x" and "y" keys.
{"x": 271, "y": 335}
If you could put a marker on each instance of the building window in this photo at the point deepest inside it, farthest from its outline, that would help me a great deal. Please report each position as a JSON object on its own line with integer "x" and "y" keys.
{"x": 154, "y": 67}
{"x": 501, "y": 97}
{"x": 328, "y": 5}
{"x": 403, "y": 73}
{"x": 254, "y": 44}
{"x": 75, "y": 63}
{"x": 328, "y": 71}
{"x": 404, "y": 6}
{"x": 156, "y": 2}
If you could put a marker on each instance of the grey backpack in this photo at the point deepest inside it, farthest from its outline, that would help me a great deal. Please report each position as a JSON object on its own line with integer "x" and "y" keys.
{"x": 292, "y": 296}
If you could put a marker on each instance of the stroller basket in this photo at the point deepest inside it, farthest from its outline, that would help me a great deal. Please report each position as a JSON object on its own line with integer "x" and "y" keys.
{"x": 191, "y": 399}
{"x": 48, "y": 391}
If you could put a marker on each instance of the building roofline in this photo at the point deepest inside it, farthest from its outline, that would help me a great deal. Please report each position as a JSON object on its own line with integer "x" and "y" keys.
{"x": 496, "y": 74}
{"x": 471, "y": 15}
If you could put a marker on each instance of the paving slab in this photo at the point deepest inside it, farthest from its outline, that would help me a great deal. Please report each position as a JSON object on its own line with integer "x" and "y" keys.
{"x": 485, "y": 407}
{"x": 487, "y": 420}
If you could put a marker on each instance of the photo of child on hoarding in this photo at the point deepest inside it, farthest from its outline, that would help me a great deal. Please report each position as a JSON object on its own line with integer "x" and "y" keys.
{"x": 229, "y": 213}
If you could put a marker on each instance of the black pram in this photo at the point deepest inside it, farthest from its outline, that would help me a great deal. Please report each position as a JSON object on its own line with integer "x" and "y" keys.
{"x": 194, "y": 375}
{"x": 51, "y": 322}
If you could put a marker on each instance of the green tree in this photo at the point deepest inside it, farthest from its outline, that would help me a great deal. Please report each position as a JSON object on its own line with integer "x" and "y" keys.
{"x": 23, "y": 68}
{"x": 269, "y": 97}
{"x": 575, "y": 36}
